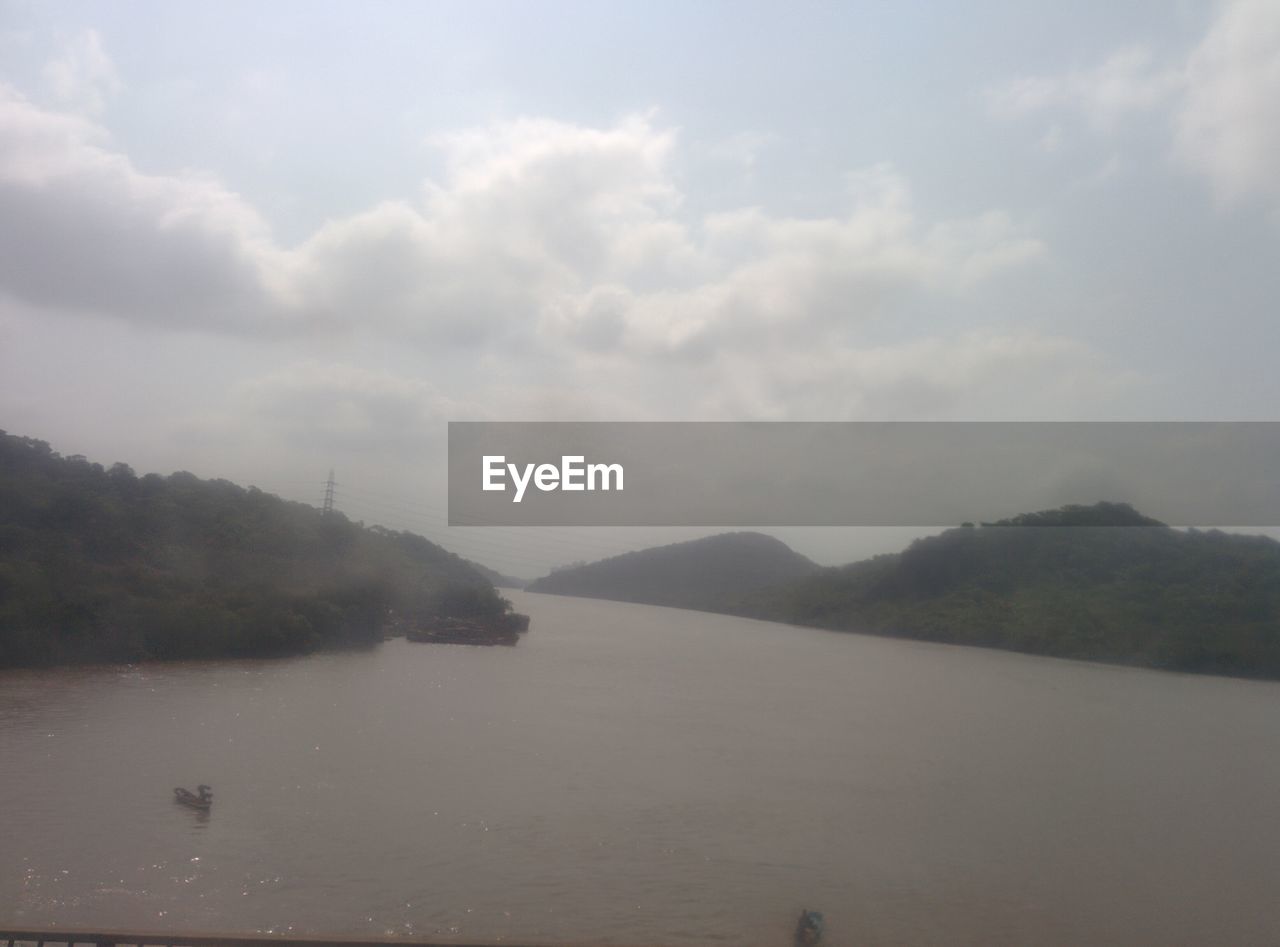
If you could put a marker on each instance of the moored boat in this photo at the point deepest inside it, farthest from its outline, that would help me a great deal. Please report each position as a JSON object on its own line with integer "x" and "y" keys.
{"x": 458, "y": 631}
{"x": 516, "y": 622}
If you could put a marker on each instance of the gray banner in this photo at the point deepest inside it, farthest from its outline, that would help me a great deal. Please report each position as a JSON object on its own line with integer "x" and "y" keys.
{"x": 734, "y": 474}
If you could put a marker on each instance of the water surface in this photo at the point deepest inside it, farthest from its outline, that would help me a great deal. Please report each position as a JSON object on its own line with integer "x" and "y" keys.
{"x": 632, "y": 775}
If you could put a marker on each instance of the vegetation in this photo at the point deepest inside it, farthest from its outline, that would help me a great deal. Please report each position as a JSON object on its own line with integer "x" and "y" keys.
{"x": 1096, "y": 582}
{"x": 711, "y": 574}
{"x": 1067, "y": 583}
{"x": 103, "y": 565}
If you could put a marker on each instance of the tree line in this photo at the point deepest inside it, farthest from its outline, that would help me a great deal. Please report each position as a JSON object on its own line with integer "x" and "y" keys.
{"x": 100, "y": 564}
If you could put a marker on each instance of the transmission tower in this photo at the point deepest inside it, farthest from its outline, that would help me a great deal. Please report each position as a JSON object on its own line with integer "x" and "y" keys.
{"x": 328, "y": 494}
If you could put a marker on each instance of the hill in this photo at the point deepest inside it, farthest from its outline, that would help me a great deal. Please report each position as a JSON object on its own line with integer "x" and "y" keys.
{"x": 103, "y": 565}
{"x": 1093, "y": 582}
{"x": 711, "y": 574}
{"x": 499, "y": 579}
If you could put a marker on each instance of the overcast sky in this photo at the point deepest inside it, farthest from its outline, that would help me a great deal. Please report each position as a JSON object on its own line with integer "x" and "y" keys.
{"x": 257, "y": 241}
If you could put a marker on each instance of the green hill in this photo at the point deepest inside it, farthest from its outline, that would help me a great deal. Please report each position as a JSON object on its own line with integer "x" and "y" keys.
{"x": 103, "y": 565}
{"x": 710, "y": 574}
{"x": 1100, "y": 583}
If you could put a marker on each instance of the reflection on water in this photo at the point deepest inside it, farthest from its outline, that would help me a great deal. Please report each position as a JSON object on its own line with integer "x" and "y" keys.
{"x": 631, "y": 774}
{"x": 199, "y": 817}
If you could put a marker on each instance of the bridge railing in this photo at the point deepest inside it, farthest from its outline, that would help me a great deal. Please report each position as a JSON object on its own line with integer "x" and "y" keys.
{"x": 52, "y": 937}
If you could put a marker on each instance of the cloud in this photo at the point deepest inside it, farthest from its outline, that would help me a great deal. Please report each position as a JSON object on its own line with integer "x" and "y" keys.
{"x": 329, "y": 407}
{"x": 742, "y": 149}
{"x": 774, "y": 281}
{"x": 1221, "y": 100}
{"x": 538, "y": 234}
{"x": 325, "y": 409}
{"x": 1228, "y": 124}
{"x": 558, "y": 259}
{"x": 82, "y": 229}
{"x": 959, "y": 376}
{"x": 344, "y": 406}
{"x": 525, "y": 210}
{"x": 83, "y": 77}
{"x": 1127, "y": 81}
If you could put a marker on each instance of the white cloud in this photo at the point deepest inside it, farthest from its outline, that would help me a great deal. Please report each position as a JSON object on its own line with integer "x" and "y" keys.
{"x": 741, "y": 150}
{"x": 1222, "y": 99}
{"x": 775, "y": 281}
{"x": 951, "y": 377}
{"x": 83, "y": 77}
{"x": 316, "y": 407}
{"x": 1128, "y": 81}
{"x": 332, "y": 409}
{"x": 527, "y": 209}
{"x": 343, "y": 407}
{"x": 540, "y": 233}
{"x": 1228, "y": 124}
{"x": 557, "y": 259}
{"x": 84, "y": 230}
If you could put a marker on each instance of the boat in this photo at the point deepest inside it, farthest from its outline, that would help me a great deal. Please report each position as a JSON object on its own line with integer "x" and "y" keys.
{"x": 515, "y": 622}
{"x": 809, "y": 928}
{"x": 459, "y": 631}
{"x": 201, "y": 799}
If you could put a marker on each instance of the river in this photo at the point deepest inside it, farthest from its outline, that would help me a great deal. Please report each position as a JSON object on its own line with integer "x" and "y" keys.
{"x": 630, "y": 775}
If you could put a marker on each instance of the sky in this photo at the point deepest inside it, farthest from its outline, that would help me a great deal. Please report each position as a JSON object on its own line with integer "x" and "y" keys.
{"x": 264, "y": 241}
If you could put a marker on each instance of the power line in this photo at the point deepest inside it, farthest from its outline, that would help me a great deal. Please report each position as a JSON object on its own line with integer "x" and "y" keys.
{"x": 327, "y": 509}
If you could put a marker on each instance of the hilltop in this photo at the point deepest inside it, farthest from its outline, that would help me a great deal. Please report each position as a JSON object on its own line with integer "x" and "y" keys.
{"x": 105, "y": 565}
{"x": 710, "y": 574}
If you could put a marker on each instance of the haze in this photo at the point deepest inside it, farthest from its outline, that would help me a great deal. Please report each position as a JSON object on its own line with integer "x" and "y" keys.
{"x": 263, "y": 242}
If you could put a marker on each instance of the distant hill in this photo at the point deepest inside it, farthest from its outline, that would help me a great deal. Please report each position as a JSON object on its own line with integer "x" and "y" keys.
{"x": 499, "y": 579}
{"x": 103, "y": 565}
{"x": 1100, "y": 582}
{"x": 1093, "y": 582}
{"x": 711, "y": 574}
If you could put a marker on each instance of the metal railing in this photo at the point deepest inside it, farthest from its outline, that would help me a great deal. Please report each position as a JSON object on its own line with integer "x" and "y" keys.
{"x": 101, "y": 938}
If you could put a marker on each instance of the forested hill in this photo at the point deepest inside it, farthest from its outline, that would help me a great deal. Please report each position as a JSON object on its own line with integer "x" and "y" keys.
{"x": 1100, "y": 582}
{"x": 710, "y": 574}
{"x": 103, "y": 565}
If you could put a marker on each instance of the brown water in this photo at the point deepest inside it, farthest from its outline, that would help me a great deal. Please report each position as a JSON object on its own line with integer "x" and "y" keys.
{"x": 642, "y": 775}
